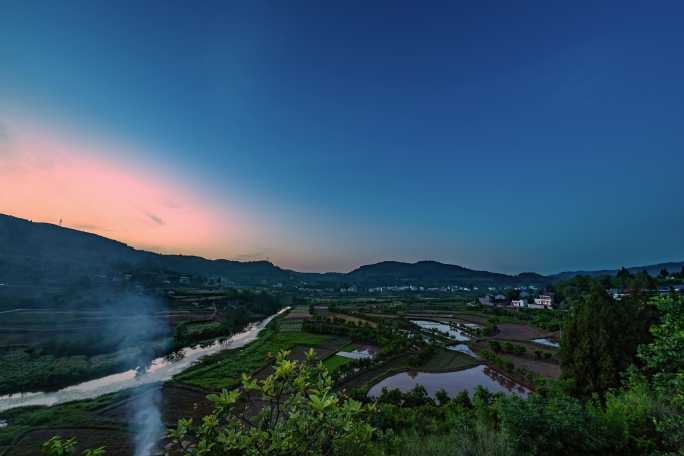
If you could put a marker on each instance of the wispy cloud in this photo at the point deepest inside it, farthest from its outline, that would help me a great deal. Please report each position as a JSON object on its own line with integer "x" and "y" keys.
{"x": 155, "y": 218}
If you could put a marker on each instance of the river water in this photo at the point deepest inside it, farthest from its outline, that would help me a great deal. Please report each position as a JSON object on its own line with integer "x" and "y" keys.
{"x": 160, "y": 370}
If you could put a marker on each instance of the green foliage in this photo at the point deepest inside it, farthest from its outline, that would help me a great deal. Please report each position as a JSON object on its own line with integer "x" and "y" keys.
{"x": 495, "y": 346}
{"x": 664, "y": 360}
{"x": 59, "y": 447}
{"x": 333, "y": 363}
{"x": 600, "y": 340}
{"x": 302, "y": 416}
{"x": 538, "y": 426}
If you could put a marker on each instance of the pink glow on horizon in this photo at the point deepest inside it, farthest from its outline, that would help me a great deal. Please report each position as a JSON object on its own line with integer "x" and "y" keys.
{"x": 46, "y": 177}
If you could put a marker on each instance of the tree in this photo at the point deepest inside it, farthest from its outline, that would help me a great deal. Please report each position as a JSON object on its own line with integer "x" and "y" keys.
{"x": 664, "y": 360}
{"x": 624, "y": 277}
{"x": 541, "y": 426}
{"x": 512, "y": 293}
{"x": 442, "y": 396}
{"x": 664, "y": 273}
{"x": 302, "y": 415}
{"x": 600, "y": 340}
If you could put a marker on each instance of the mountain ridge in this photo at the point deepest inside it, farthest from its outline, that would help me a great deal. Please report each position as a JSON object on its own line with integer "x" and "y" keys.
{"x": 44, "y": 253}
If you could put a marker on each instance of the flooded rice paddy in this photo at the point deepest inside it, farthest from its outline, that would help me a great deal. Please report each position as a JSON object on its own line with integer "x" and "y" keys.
{"x": 546, "y": 342}
{"x": 452, "y": 332}
{"x": 452, "y": 382}
{"x": 463, "y": 348}
{"x": 356, "y": 354}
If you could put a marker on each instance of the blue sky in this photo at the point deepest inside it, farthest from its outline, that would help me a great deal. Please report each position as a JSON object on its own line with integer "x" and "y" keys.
{"x": 505, "y": 136}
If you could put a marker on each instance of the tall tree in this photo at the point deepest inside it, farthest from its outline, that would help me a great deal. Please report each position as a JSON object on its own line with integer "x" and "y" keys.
{"x": 624, "y": 277}
{"x": 664, "y": 360}
{"x": 600, "y": 340}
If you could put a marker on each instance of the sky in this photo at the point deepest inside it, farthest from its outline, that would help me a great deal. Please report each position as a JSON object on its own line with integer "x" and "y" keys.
{"x": 507, "y": 136}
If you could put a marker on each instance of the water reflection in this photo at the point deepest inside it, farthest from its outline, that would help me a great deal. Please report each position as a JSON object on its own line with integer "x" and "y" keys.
{"x": 452, "y": 382}
{"x": 158, "y": 370}
{"x": 356, "y": 354}
{"x": 472, "y": 325}
{"x": 547, "y": 342}
{"x": 453, "y": 333}
{"x": 463, "y": 348}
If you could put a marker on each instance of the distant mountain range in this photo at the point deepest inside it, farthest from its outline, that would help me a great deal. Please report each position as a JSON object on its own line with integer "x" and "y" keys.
{"x": 43, "y": 255}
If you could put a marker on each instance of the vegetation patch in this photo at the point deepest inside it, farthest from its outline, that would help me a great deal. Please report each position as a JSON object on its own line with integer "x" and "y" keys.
{"x": 224, "y": 369}
{"x": 334, "y": 362}
{"x": 446, "y": 360}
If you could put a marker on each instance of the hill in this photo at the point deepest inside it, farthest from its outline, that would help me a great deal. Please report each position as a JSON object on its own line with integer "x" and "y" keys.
{"x": 36, "y": 256}
{"x": 42, "y": 255}
{"x": 433, "y": 273}
{"x": 652, "y": 269}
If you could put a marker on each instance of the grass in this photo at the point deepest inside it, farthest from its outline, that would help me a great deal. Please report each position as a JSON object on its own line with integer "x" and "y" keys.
{"x": 225, "y": 369}
{"x": 198, "y": 328}
{"x": 352, "y": 319}
{"x": 461, "y": 441}
{"x": 291, "y": 325}
{"x": 351, "y": 346}
{"x": 334, "y": 362}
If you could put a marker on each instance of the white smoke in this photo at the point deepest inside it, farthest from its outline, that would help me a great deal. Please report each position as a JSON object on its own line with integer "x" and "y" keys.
{"x": 147, "y": 420}
{"x": 144, "y": 409}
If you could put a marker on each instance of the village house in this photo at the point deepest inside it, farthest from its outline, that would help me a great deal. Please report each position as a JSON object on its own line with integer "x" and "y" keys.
{"x": 519, "y": 303}
{"x": 544, "y": 301}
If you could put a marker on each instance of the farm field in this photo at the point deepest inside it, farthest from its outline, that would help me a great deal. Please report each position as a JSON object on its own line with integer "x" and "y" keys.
{"x": 185, "y": 395}
{"x": 224, "y": 369}
{"x": 334, "y": 362}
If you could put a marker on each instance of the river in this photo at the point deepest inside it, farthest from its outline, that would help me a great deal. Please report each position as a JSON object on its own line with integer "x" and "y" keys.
{"x": 160, "y": 370}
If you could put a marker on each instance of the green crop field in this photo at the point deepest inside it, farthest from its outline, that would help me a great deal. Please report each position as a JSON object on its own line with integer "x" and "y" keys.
{"x": 224, "y": 370}
{"x": 334, "y": 362}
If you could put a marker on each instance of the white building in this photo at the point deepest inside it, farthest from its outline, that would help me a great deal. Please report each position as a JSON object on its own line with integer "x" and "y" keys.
{"x": 544, "y": 301}
{"x": 519, "y": 303}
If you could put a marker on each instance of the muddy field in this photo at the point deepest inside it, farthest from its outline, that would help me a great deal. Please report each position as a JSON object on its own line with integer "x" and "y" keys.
{"x": 513, "y": 331}
{"x": 177, "y": 401}
{"x": 547, "y": 368}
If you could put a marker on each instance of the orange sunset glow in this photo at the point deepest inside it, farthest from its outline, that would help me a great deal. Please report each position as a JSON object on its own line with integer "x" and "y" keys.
{"x": 48, "y": 177}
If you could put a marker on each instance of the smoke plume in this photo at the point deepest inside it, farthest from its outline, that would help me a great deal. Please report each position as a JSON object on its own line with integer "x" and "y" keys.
{"x": 148, "y": 325}
{"x": 147, "y": 419}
